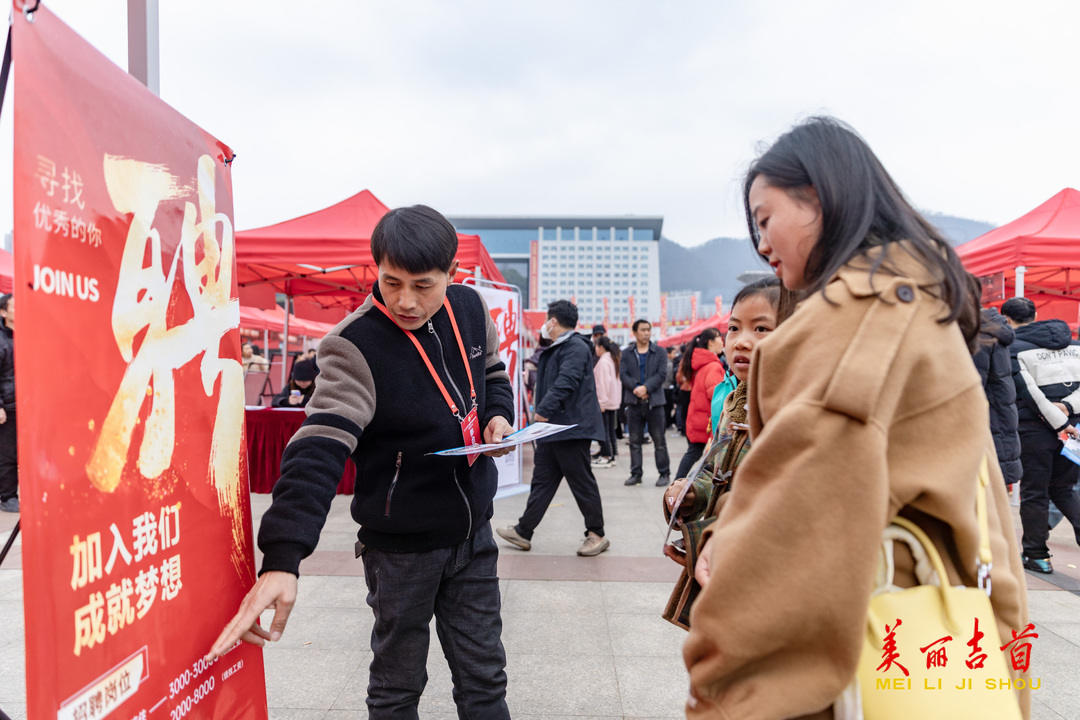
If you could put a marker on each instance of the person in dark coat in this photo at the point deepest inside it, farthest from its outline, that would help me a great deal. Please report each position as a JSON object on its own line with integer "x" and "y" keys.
{"x": 9, "y": 459}
{"x": 565, "y": 395}
{"x": 1046, "y": 370}
{"x": 300, "y": 388}
{"x": 642, "y": 370}
{"x": 995, "y": 368}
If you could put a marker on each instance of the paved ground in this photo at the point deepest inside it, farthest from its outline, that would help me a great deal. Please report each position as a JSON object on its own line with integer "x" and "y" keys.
{"x": 583, "y": 635}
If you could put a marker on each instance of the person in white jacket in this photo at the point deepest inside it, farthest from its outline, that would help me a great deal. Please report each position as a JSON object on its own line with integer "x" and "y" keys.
{"x": 609, "y": 395}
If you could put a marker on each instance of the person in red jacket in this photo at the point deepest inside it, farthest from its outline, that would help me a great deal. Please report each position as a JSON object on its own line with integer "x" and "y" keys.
{"x": 701, "y": 365}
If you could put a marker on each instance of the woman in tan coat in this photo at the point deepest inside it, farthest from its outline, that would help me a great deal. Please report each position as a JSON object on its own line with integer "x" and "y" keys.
{"x": 864, "y": 404}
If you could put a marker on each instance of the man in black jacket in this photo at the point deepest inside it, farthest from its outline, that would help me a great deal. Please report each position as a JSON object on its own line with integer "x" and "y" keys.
{"x": 995, "y": 368}
{"x": 9, "y": 458}
{"x": 1046, "y": 370}
{"x": 642, "y": 370}
{"x": 565, "y": 395}
{"x": 413, "y": 370}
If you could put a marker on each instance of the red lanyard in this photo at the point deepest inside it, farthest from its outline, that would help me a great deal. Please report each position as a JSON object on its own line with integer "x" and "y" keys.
{"x": 427, "y": 361}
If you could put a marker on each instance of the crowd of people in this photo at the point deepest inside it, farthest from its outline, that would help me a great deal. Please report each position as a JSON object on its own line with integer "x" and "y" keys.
{"x": 850, "y": 403}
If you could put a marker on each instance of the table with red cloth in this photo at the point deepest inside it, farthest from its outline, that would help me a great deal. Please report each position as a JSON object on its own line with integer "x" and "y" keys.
{"x": 268, "y": 432}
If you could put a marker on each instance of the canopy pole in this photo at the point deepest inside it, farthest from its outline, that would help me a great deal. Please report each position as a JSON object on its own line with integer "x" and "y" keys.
{"x": 1020, "y": 270}
{"x": 285, "y": 341}
{"x": 266, "y": 343}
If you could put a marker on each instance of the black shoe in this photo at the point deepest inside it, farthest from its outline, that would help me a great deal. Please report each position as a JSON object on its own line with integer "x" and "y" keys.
{"x": 633, "y": 480}
{"x": 646, "y": 440}
{"x": 663, "y": 481}
{"x": 1039, "y": 565}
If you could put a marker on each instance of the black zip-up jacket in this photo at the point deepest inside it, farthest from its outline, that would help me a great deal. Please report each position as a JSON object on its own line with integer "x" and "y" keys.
{"x": 995, "y": 368}
{"x": 376, "y": 402}
{"x": 1046, "y": 369}
{"x": 566, "y": 389}
{"x": 656, "y": 364}
{"x": 7, "y": 369}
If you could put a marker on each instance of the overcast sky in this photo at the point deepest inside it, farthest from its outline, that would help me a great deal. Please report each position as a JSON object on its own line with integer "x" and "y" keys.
{"x": 621, "y": 107}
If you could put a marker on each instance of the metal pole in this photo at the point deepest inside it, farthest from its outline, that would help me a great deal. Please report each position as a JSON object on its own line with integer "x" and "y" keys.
{"x": 143, "y": 46}
{"x": 285, "y": 341}
{"x": 1020, "y": 270}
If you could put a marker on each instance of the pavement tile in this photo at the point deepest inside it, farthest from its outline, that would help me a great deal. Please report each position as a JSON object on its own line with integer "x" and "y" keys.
{"x": 652, "y": 686}
{"x": 644, "y": 635}
{"x": 553, "y": 597}
{"x": 546, "y": 633}
{"x": 572, "y": 686}
{"x": 1069, "y": 631}
{"x": 10, "y": 584}
{"x": 641, "y": 598}
{"x": 325, "y": 628}
{"x": 1053, "y": 606}
{"x": 327, "y": 591}
{"x": 304, "y": 678}
{"x": 14, "y": 710}
{"x": 12, "y": 677}
{"x": 1054, "y": 659}
{"x": 296, "y": 714}
{"x": 1040, "y": 711}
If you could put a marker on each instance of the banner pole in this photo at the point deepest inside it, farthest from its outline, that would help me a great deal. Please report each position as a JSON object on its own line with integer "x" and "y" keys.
{"x": 10, "y": 541}
{"x": 6, "y": 69}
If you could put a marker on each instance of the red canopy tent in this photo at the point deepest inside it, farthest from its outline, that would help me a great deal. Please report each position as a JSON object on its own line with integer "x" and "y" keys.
{"x": 7, "y": 271}
{"x": 326, "y": 256}
{"x": 324, "y": 259}
{"x": 273, "y": 320}
{"x": 1036, "y": 255}
{"x": 717, "y": 321}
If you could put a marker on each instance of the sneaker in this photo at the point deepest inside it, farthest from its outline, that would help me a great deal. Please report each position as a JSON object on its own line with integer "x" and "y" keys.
{"x": 633, "y": 480}
{"x": 1039, "y": 565}
{"x": 603, "y": 462}
{"x": 511, "y": 535}
{"x": 663, "y": 481}
{"x": 593, "y": 545}
{"x": 10, "y": 505}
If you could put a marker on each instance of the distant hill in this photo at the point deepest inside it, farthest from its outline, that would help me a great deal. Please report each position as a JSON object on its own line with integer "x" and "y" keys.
{"x": 714, "y": 266}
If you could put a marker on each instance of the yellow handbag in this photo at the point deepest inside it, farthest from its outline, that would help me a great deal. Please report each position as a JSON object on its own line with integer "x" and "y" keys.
{"x": 919, "y": 659}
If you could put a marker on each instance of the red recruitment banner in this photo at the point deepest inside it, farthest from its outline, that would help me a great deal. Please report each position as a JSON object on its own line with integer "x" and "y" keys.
{"x": 137, "y": 546}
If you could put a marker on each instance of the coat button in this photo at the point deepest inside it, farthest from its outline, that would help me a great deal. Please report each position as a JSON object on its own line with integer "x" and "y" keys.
{"x": 905, "y": 293}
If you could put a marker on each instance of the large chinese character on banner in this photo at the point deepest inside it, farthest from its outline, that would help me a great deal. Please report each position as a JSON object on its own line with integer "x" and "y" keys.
{"x": 505, "y": 309}
{"x": 136, "y": 515}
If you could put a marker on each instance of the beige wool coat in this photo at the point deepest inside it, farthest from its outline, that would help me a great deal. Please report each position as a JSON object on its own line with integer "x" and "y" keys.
{"x": 861, "y": 406}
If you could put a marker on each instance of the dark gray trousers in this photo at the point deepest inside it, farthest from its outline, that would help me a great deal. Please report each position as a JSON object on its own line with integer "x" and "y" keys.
{"x": 638, "y": 416}
{"x": 458, "y": 585}
{"x": 1048, "y": 475}
{"x": 9, "y": 460}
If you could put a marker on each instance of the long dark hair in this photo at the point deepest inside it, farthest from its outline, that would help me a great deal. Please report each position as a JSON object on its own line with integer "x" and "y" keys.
{"x": 609, "y": 345}
{"x": 861, "y": 207}
{"x": 706, "y": 336}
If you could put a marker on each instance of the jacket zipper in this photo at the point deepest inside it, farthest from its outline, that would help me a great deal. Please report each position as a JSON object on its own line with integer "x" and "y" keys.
{"x": 442, "y": 357}
{"x": 468, "y": 506}
{"x": 393, "y": 484}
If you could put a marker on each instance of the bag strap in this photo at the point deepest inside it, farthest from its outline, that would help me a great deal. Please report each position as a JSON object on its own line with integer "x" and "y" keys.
{"x": 984, "y": 560}
{"x": 951, "y": 614}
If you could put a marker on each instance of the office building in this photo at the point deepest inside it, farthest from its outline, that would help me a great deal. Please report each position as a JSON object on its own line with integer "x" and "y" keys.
{"x": 589, "y": 259}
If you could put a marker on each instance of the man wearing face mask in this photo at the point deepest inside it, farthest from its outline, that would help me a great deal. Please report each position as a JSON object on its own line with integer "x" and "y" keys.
{"x": 566, "y": 395}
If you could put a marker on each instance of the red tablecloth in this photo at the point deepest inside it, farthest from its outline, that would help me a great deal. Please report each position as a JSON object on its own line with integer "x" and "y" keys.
{"x": 268, "y": 432}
